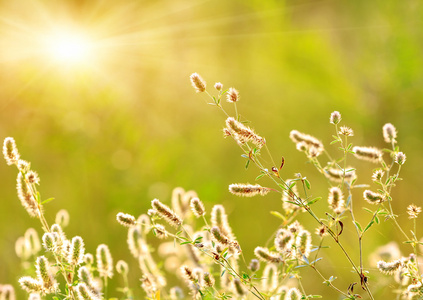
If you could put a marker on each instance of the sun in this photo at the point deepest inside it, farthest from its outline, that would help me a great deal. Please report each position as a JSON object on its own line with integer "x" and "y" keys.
{"x": 65, "y": 46}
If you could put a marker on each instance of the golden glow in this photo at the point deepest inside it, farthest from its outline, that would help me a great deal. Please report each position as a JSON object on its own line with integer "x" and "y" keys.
{"x": 68, "y": 47}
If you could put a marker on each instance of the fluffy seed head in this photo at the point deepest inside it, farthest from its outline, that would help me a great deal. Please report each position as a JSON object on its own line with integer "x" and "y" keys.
{"x": 44, "y": 275}
{"x": 389, "y": 133}
{"x": 84, "y": 292}
{"x": 413, "y": 211}
{"x": 303, "y": 243}
{"x": 295, "y": 227}
{"x": 347, "y": 131}
{"x": 232, "y": 95}
{"x": 283, "y": 240}
{"x": 134, "y": 240}
{"x": 218, "y": 86}
{"x": 31, "y": 236}
{"x": 336, "y": 174}
{"x": 321, "y": 231}
{"x": 266, "y": 256}
{"x": 293, "y": 294}
{"x": 208, "y": 279}
{"x": 400, "y": 158}
{"x": 23, "y": 165}
{"x": 372, "y": 197}
{"x": 188, "y": 274}
{"x": 49, "y": 242}
{"x": 248, "y": 190}
{"x": 30, "y": 284}
{"x": 312, "y": 144}
{"x": 77, "y": 251}
{"x": 144, "y": 222}
{"x": 22, "y": 248}
{"x": 197, "y": 207}
{"x": 32, "y": 177}
{"x": 126, "y": 219}
{"x": 160, "y": 230}
{"x": 7, "y": 292}
{"x": 254, "y": 265}
{"x": 26, "y": 197}
{"x": 238, "y": 287}
{"x": 219, "y": 237}
{"x": 85, "y": 276}
{"x": 270, "y": 278}
{"x": 62, "y": 218}
{"x": 34, "y": 296}
{"x": 198, "y": 83}
{"x": 10, "y": 151}
{"x": 336, "y": 200}
{"x": 122, "y": 267}
{"x": 335, "y": 117}
{"x": 166, "y": 213}
{"x": 371, "y": 154}
{"x": 219, "y": 218}
{"x": 243, "y": 134}
{"x": 389, "y": 268}
{"x": 88, "y": 259}
{"x": 104, "y": 261}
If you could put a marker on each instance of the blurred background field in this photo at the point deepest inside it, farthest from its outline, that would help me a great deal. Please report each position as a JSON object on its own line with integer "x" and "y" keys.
{"x": 123, "y": 127}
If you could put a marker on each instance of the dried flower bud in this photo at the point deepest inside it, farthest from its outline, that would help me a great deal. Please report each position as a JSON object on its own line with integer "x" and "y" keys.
{"x": 371, "y": 154}
{"x": 389, "y": 268}
{"x": 160, "y": 231}
{"x": 166, "y": 213}
{"x": 197, "y": 207}
{"x": 125, "y": 219}
{"x": 104, "y": 261}
{"x": 389, "y": 133}
{"x": 77, "y": 250}
{"x": 10, "y": 151}
{"x": 347, "y": 131}
{"x": 266, "y": 256}
{"x": 218, "y": 86}
{"x": 232, "y": 95}
{"x": 44, "y": 275}
{"x": 378, "y": 175}
{"x": 335, "y": 117}
{"x": 122, "y": 267}
{"x": 248, "y": 190}
{"x": 372, "y": 197}
{"x": 25, "y": 195}
{"x": 413, "y": 211}
{"x": 62, "y": 218}
{"x": 198, "y": 83}
{"x": 336, "y": 200}
{"x": 30, "y": 284}
{"x": 32, "y": 177}
{"x": 254, "y": 265}
{"x": 400, "y": 158}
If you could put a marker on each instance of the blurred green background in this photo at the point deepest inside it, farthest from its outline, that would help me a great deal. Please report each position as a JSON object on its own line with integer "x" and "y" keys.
{"x": 126, "y": 127}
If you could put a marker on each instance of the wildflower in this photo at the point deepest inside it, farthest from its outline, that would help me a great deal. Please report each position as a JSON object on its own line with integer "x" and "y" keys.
{"x": 208, "y": 279}
{"x": 125, "y": 219}
{"x": 32, "y": 177}
{"x": 303, "y": 243}
{"x": 293, "y": 294}
{"x": 10, "y": 151}
{"x": 238, "y": 287}
{"x": 336, "y": 200}
{"x": 219, "y": 237}
{"x": 335, "y": 117}
{"x": 188, "y": 274}
{"x": 400, "y": 158}
{"x": 248, "y": 190}
{"x": 62, "y": 218}
{"x": 122, "y": 267}
{"x": 165, "y": 212}
{"x": 219, "y": 218}
{"x": 23, "y": 165}
{"x": 198, "y": 83}
{"x": 389, "y": 268}
{"x": 76, "y": 254}
{"x": 372, "y": 197}
{"x": 85, "y": 277}
{"x": 30, "y": 284}
{"x": 310, "y": 141}
{"x": 413, "y": 211}
{"x": 347, "y": 131}
{"x": 270, "y": 275}
{"x": 47, "y": 281}
{"x": 160, "y": 230}
{"x": 378, "y": 175}
{"x": 254, "y": 265}
{"x": 266, "y": 256}
{"x": 232, "y": 95}
{"x": 104, "y": 261}
{"x": 25, "y": 195}
{"x": 218, "y": 86}
{"x": 336, "y": 174}
{"x": 243, "y": 133}
{"x": 197, "y": 207}
{"x": 389, "y": 133}
{"x": 283, "y": 240}
{"x": 84, "y": 293}
{"x": 371, "y": 154}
